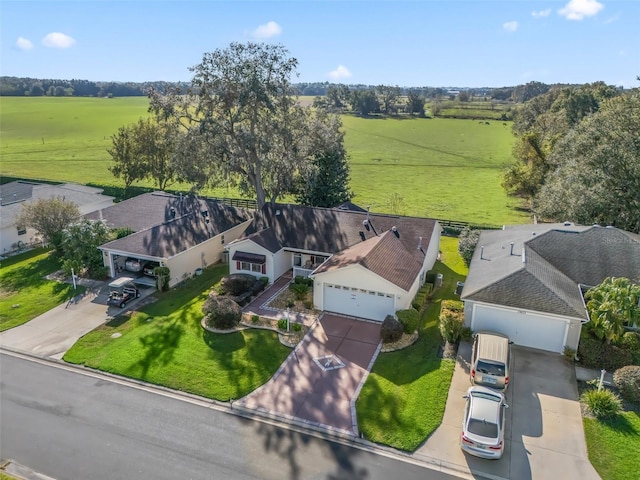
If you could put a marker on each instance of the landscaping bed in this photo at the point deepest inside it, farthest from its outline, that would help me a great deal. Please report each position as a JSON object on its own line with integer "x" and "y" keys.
{"x": 404, "y": 397}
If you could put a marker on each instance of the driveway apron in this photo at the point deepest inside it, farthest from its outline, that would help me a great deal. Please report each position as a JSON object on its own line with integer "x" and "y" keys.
{"x": 320, "y": 380}
{"x": 54, "y": 332}
{"x": 544, "y": 436}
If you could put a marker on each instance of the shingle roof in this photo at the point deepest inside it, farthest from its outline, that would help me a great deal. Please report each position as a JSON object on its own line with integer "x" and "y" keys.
{"x": 385, "y": 256}
{"x": 166, "y": 236}
{"x": 557, "y": 258}
{"x": 15, "y": 194}
{"x": 325, "y": 230}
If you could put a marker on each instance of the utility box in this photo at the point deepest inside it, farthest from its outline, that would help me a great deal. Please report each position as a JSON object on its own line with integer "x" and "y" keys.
{"x": 459, "y": 287}
{"x": 438, "y": 282}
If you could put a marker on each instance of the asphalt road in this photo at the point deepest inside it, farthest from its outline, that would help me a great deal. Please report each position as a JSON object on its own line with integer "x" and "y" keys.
{"x": 72, "y": 426}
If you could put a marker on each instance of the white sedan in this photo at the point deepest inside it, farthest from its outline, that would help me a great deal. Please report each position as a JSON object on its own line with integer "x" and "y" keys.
{"x": 483, "y": 423}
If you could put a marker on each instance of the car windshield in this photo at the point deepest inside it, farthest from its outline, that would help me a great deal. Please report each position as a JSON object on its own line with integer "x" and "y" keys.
{"x": 488, "y": 368}
{"x": 482, "y": 428}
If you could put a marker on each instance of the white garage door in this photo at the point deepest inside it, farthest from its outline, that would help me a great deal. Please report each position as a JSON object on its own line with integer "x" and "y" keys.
{"x": 357, "y": 302}
{"x": 527, "y": 329}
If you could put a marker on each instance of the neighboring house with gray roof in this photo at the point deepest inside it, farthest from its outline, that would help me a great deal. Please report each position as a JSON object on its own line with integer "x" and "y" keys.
{"x": 14, "y": 195}
{"x": 363, "y": 264}
{"x": 180, "y": 232}
{"x": 527, "y": 281}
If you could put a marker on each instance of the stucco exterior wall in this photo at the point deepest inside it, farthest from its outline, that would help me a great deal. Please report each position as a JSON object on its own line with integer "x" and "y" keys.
{"x": 251, "y": 247}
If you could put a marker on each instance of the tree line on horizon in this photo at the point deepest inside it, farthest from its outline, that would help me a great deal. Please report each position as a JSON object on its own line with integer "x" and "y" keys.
{"x": 37, "y": 87}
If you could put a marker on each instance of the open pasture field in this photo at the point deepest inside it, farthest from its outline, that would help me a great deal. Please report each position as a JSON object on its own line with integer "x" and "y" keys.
{"x": 442, "y": 168}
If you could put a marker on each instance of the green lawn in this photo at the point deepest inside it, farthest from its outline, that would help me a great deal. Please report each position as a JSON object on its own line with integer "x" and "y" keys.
{"x": 614, "y": 445}
{"x": 22, "y": 284}
{"x": 164, "y": 344}
{"x": 403, "y": 399}
{"x": 443, "y": 168}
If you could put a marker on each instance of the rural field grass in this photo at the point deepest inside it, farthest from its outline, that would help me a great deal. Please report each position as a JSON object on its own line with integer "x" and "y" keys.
{"x": 443, "y": 168}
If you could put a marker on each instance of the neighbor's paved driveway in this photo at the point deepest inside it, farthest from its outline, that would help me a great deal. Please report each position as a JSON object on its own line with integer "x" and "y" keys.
{"x": 320, "y": 380}
{"x": 54, "y": 332}
{"x": 544, "y": 433}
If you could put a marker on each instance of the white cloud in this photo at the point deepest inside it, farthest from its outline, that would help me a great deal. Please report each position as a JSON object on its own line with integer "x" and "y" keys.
{"x": 57, "y": 40}
{"x": 541, "y": 13}
{"x": 510, "y": 26}
{"x": 24, "y": 44}
{"x": 340, "y": 73}
{"x": 579, "y": 9}
{"x": 268, "y": 30}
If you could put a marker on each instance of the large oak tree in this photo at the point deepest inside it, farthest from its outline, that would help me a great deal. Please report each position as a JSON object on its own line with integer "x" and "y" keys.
{"x": 244, "y": 126}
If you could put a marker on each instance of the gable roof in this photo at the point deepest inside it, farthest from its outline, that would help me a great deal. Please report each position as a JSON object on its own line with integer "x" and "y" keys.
{"x": 384, "y": 255}
{"x": 162, "y": 235}
{"x": 14, "y": 195}
{"x": 548, "y": 265}
{"x": 330, "y": 231}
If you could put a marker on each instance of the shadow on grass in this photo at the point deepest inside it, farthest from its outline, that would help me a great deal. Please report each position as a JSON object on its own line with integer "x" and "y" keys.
{"x": 621, "y": 424}
{"x": 223, "y": 343}
{"x": 30, "y": 274}
{"x": 159, "y": 346}
{"x": 118, "y": 321}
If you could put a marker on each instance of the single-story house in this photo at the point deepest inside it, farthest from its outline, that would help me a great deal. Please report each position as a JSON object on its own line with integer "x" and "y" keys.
{"x": 14, "y": 195}
{"x": 363, "y": 264}
{"x": 528, "y": 281}
{"x": 183, "y": 233}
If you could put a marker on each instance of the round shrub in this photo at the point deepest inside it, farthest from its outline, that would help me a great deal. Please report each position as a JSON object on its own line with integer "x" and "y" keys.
{"x": 594, "y": 353}
{"x": 602, "y": 403}
{"x": 627, "y": 380}
{"x": 391, "y": 330}
{"x": 451, "y": 322}
{"x": 237, "y": 283}
{"x": 221, "y": 312}
{"x": 409, "y": 319}
{"x": 631, "y": 342}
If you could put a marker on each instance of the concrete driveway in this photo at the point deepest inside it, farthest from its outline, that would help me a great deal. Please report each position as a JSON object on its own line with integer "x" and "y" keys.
{"x": 54, "y": 332}
{"x": 544, "y": 433}
{"x": 319, "y": 382}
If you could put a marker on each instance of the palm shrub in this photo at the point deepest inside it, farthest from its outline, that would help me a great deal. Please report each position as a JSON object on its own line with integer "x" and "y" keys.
{"x": 451, "y": 322}
{"x": 612, "y": 305}
{"x": 391, "y": 330}
{"x": 300, "y": 290}
{"x": 602, "y": 403}
{"x": 627, "y": 381}
{"x": 221, "y": 312}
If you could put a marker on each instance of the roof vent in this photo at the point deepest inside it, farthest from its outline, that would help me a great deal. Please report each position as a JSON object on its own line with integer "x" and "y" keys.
{"x": 482, "y": 252}
{"x": 524, "y": 260}
{"x": 609, "y": 226}
{"x": 365, "y": 222}
{"x": 511, "y": 253}
{"x": 172, "y": 212}
{"x": 362, "y": 235}
{"x": 394, "y": 229}
{"x": 278, "y": 212}
{"x": 567, "y": 224}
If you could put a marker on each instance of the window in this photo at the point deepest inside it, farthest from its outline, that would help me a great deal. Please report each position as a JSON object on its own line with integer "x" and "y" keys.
{"x": 317, "y": 259}
{"x": 252, "y": 267}
{"x": 297, "y": 260}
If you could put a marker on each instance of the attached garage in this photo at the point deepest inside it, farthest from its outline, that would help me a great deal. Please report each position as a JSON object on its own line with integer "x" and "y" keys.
{"x": 522, "y": 327}
{"x": 358, "y": 302}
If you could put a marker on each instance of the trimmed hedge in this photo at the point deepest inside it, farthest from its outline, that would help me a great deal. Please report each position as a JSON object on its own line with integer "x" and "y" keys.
{"x": 237, "y": 283}
{"x": 409, "y": 319}
{"x": 422, "y": 296}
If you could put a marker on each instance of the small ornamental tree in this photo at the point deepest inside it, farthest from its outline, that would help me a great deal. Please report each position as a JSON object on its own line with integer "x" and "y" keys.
{"x": 80, "y": 242}
{"x": 467, "y": 242}
{"x": 391, "y": 330}
{"x": 49, "y": 216}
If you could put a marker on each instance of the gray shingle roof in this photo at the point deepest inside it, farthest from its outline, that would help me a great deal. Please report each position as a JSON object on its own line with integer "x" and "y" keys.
{"x": 385, "y": 256}
{"x": 158, "y": 233}
{"x": 557, "y": 258}
{"x": 331, "y": 231}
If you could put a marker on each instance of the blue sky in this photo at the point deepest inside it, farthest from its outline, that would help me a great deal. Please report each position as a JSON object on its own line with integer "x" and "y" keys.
{"x": 407, "y": 43}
